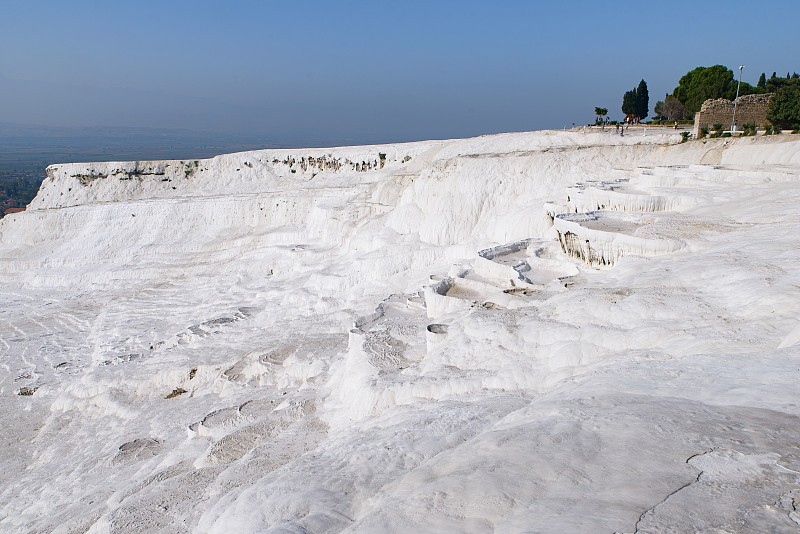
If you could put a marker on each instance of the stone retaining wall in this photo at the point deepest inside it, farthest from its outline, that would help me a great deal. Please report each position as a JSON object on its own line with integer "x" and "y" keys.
{"x": 749, "y": 109}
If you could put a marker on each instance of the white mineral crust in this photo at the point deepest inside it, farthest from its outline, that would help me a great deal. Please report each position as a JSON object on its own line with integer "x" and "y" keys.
{"x": 534, "y": 332}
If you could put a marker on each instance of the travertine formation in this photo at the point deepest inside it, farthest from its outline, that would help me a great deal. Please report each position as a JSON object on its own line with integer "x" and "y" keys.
{"x": 556, "y": 331}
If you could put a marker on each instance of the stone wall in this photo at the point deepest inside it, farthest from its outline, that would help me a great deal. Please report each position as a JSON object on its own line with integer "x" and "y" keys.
{"x": 749, "y": 109}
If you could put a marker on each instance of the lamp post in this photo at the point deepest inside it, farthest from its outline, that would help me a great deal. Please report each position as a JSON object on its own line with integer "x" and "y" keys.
{"x": 733, "y": 122}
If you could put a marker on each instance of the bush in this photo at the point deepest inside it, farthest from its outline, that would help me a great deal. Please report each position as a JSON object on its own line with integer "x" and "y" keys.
{"x": 717, "y": 127}
{"x": 768, "y": 129}
{"x": 175, "y": 392}
{"x": 703, "y": 132}
{"x": 684, "y": 137}
{"x": 796, "y": 129}
{"x": 725, "y": 134}
{"x": 776, "y": 129}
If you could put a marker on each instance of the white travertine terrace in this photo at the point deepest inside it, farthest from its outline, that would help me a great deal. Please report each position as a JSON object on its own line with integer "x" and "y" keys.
{"x": 403, "y": 338}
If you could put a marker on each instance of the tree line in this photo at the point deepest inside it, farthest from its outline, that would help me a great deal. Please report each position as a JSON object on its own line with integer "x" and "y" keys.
{"x": 17, "y": 190}
{"x": 703, "y": 83}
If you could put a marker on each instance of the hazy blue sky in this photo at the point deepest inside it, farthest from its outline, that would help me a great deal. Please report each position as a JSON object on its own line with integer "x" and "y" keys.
{"x": 368, "y": 70}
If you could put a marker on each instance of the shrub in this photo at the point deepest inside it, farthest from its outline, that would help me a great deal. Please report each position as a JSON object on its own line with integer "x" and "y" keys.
{"x": 725, "y": 134}
{"x": 684, "y": 137}
{"x": 717, "y": 127}
{"x": 776, "y": 129}
{"x": 703, "y": 132}
{"x": 768, "y": 129}
{"x": 175, "y": 393}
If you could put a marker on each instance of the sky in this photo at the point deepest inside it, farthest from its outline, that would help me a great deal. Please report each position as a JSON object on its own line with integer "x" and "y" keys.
{"x": 367, "y": 71}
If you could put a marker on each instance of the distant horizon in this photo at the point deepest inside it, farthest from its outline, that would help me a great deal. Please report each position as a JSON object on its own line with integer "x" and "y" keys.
{"x": 360, "y": 72}
{"x": 33, "y": 142}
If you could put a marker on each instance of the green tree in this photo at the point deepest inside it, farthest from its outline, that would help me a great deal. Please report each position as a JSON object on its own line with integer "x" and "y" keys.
{"x": 784, "y": 110}
{"x": 658, "y": 109}
{"x": 744, "y": 89}
{"x": 600, "y": 112}
{"x": 642, "y": 101}
{"x": 762, "y": 81}
{"x": 775, "y": 83}
{"x": 629, "y": 102}
{"x": 702, "y": 83}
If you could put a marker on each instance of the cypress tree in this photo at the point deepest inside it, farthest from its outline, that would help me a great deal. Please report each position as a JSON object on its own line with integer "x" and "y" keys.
{"x": 642, "y": 101}
{"x": 629, "y": 102}
{"x": 762, "y": 81}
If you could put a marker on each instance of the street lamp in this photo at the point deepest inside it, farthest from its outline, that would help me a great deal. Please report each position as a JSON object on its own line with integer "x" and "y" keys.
{"x": 733, "y": 122}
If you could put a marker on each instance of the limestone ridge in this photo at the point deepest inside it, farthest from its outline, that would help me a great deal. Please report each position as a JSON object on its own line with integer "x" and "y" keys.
{"x": 74, "y": 184}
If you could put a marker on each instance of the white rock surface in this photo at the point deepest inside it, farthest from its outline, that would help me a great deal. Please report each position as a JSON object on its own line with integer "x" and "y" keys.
{"x": 283, "y": 341}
